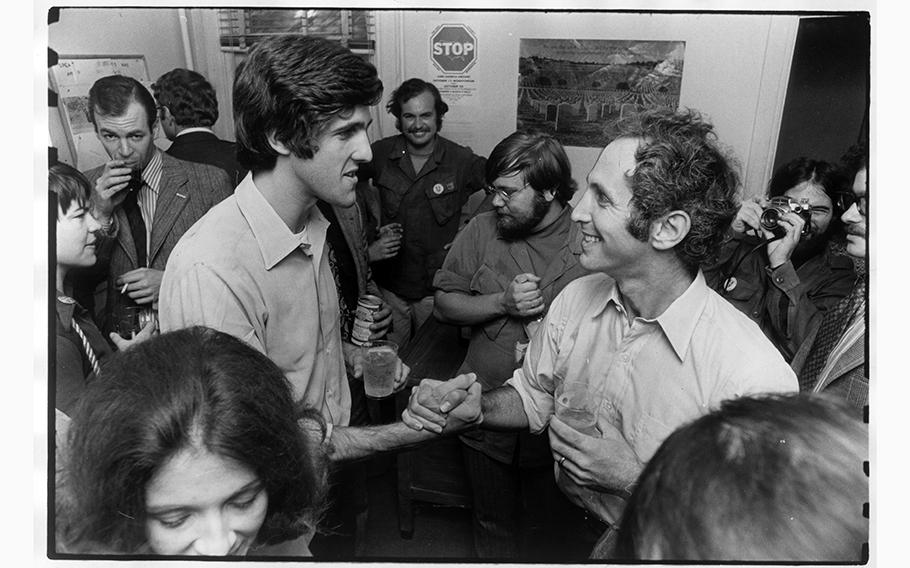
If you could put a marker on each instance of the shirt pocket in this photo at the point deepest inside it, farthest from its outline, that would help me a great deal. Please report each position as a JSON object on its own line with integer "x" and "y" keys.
{"x": 443, "y": 197}
{"x": 392, "y": 185}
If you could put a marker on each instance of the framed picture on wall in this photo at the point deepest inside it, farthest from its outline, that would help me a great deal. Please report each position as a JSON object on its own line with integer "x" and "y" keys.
{"x": 71, "y": 78}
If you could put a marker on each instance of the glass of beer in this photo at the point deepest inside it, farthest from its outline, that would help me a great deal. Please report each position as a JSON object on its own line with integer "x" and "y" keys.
{"x": 577, "y": 403}
{"x": 381, "y": 367}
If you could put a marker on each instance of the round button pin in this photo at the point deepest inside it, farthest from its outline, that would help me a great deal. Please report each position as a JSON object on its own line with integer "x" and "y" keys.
{"x": 438, "y": 189}
{"x": 730, "y": 284}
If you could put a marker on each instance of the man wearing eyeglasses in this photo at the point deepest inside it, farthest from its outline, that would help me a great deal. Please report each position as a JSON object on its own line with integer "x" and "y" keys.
{"x": 785, "y": 278}
{"x": 832, "y": 359}
{"x": 499, "y": 277}
{"x": 422, "y": 182}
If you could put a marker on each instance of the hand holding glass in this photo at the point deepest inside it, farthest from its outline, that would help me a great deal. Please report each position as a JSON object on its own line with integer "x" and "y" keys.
{"x": 381, "y": 366}
{"x": 577, "y": 404}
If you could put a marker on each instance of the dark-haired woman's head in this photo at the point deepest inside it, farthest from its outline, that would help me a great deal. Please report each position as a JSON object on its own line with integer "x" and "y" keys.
{"x": 190, "y": 445}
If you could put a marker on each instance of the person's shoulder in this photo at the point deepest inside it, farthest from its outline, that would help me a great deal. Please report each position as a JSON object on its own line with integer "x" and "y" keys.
{"x": 204, "y": 176}
{"x": 738, "y": 340}
{"x": 455, "y": 147}
{"x": 588, "y": 287}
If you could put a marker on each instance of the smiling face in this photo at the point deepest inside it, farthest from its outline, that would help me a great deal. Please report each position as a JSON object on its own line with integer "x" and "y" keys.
{"x": 127, "y": 137}
{"x": 820, "y": 204}
{"x": 331, "y": 174}
{"x": 418, "y": 120}
{"x": 854, "y": 218}
{"x": 76, "y": 236}
{"x": 604, "y": 213}
{"x": 200, "y": 503}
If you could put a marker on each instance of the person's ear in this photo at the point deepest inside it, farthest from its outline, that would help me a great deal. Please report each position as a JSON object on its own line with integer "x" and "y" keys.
{"x": 278, "y": 145}
{"x": 548, "y": 195}
{"x": 670, "y": 229}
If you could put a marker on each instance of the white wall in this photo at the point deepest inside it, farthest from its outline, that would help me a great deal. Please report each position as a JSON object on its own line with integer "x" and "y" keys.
{"x": 735, "y": 71}
{"x": 154, "y": 33}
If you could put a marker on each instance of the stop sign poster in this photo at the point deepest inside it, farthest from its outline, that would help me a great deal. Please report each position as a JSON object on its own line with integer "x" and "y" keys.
{"x": 453, "y": 52}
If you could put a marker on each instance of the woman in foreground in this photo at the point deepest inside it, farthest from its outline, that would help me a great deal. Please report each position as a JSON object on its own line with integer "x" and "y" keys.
{"x": 189, "y": 446}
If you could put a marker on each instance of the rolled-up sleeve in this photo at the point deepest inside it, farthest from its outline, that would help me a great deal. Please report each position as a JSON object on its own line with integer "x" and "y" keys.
{"x": 534, "y": 381}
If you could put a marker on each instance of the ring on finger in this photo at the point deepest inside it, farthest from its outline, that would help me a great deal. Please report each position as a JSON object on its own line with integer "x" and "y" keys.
{"x": 562, "y": 459}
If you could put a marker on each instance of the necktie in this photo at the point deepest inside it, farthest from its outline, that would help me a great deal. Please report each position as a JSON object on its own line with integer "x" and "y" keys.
{"x": 87, "y": 347}
{"x": 137, "y": 225}
{"x": 832, "y": 327}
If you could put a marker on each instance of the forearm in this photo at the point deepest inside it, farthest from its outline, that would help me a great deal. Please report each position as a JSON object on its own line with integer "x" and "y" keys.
{"x": 352, "y": 443}
{"x": 465, "y": 309}
{"x": 503, "y": 410}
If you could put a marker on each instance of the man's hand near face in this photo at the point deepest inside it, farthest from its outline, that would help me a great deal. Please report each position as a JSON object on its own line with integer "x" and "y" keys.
{"x": 108, "y": 193}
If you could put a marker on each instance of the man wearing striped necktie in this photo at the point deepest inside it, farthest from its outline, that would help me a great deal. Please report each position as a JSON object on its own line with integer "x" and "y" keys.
{"x": 144, "y": 199}
{"x": 833, "y": 357}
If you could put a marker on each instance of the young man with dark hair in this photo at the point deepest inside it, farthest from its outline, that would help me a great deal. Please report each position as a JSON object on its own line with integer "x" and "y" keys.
{"x": 654, "y": 346}
{"x": 257, "y": 266}
{"x": 423, "y": 180}
{"x": 188, "y": 108}
{"x": 144, "y": 199}
{"x": 785, "y": 284}
{"x": 766, "y": 479}
{"x": 833, "y": 356}
{"x": 502, "y": 272}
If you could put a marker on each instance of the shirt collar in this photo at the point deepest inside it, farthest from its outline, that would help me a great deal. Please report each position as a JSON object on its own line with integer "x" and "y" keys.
{"x": 151, "y": 175}
{"x": 194, "y": 129}
{"x": 678, "y": 321}
{"x": 275, "y": 239}
{"x": 66, "y": 307}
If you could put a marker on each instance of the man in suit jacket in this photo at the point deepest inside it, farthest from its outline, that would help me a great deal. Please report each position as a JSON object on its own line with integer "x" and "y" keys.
{"x": 188, "y": 108}
{"x": 144, "y": 199}
{"x": 833, "y": 357}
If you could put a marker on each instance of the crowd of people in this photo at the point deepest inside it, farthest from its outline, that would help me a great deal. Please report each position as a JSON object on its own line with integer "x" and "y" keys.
{"x": 208, "y": 378}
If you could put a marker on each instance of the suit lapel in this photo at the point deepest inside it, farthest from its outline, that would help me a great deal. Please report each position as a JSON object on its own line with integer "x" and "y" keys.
{"x": 173, "y": 196}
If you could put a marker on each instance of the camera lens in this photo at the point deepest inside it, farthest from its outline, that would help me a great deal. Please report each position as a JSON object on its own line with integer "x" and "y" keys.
{"x": 770, "y": 218}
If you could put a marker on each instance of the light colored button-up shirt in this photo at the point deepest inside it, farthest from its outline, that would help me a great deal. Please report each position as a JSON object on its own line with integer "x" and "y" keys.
{"x": 148, "y": 196}
{"x": 653, "y": 375}
{"x": 240, "y": 270}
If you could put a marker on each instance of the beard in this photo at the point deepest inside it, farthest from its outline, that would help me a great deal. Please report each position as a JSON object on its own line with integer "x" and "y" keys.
{"x": 512, "y": 228}
{"x": 811, "y": 245}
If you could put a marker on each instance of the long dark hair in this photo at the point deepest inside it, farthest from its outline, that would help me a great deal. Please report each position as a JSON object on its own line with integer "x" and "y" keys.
{"x": 194, "y": 387}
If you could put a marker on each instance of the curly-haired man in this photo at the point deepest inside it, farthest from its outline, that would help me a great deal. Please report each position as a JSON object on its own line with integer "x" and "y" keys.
{"x": 651, "y": 345}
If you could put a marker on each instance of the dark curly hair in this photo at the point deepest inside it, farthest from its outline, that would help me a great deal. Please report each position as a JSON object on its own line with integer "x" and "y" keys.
{"x": 189, "y": 96}
{"x": 291, "y": 87}
{"x": 194, "y": 387}
{"x": 410, "y": 89}
{"x": 680, "y": 166}
{"x": 539, "y": 157}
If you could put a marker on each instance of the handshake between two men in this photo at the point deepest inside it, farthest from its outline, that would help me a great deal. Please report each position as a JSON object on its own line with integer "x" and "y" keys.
{"x": 590, "y": 463}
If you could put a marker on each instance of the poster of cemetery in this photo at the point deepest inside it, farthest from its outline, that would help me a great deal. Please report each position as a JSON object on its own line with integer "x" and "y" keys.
{"x": 577, "y": 89}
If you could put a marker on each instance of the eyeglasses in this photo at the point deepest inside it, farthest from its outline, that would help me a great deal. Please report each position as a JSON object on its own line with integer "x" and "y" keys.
{"x": 844, "y": 200}
{"x": 505, "y": 195}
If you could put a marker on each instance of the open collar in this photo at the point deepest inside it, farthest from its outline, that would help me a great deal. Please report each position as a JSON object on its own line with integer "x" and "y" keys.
{"x": 678, "y": 321}
{"x": 275, "y": 239}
